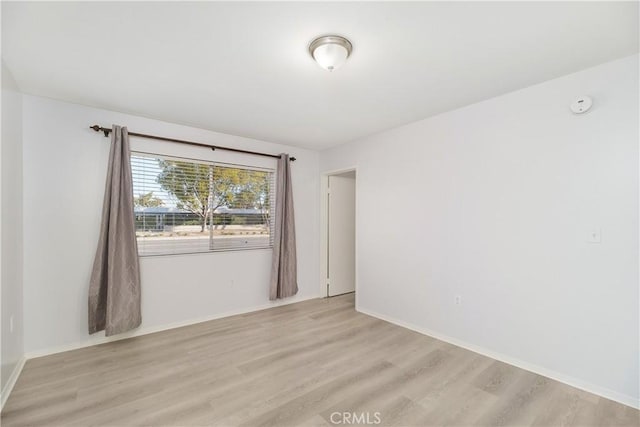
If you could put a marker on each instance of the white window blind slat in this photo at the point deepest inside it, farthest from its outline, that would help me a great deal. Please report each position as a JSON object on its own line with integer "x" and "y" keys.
{"x": 186, "y": 206}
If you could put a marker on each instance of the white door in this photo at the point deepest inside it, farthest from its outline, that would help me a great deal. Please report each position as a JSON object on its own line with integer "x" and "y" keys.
{"x": 341, "y": 234}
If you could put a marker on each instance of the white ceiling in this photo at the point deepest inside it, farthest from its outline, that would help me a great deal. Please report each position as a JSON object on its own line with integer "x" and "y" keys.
{"x": 244, "y": 69}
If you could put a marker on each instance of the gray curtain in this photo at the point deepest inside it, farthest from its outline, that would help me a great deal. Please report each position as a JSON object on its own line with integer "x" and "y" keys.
{"x": 284, "y": 275}
{"x": 114, "y": 290}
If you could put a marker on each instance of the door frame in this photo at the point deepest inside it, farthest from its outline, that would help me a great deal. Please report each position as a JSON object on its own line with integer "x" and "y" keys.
{"x": 324, "y": 228}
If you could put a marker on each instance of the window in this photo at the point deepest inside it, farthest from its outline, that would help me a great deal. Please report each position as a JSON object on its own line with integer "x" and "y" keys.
{"x": 186, "y": 206}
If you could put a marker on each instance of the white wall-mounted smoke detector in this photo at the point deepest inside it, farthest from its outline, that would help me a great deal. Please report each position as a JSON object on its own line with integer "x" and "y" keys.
{"x": 581, "y": 105}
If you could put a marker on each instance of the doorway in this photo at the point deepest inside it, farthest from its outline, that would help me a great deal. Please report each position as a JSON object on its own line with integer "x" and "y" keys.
{"x": 340, "y": 233}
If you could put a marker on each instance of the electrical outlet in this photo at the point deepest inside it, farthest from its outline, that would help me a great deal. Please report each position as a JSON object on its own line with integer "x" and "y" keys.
{"x": 458, "y": 300}
{"x": 594, "y": 236}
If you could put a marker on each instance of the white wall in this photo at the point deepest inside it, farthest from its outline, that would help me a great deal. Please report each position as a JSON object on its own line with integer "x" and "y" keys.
{"x": 64, "y": 174}
{"x": 11, "y": 228}
{"x": 494, "y": 203}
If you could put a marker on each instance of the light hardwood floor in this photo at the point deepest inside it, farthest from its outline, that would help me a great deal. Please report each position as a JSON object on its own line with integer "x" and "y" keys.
{"x": 294, "y": 365}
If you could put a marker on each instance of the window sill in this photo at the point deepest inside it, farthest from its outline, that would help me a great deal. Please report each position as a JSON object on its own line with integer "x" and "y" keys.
{"x": 219, "y": 251}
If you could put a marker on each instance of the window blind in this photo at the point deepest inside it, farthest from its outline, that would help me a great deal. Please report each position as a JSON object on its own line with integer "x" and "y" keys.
{"x": 186, "y": 206}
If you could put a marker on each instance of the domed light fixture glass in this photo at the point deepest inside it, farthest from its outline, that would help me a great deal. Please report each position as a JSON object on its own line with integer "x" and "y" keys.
{"x": 330, "y": 52}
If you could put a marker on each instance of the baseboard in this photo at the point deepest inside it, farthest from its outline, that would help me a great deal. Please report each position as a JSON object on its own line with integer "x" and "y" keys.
{"x": 13, "y": 378}
{"x": 573, "y": 382}
{"x": 101, "y": 339}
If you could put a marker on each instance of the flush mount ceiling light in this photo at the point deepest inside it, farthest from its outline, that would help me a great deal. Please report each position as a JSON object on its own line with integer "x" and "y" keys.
{"x": 330, "y": 51}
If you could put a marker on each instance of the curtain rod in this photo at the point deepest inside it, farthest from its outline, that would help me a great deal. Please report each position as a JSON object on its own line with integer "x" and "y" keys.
{"x": 107, "y": 131}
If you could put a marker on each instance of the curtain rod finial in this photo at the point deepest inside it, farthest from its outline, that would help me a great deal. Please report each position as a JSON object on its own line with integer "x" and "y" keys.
{"x": 100, "y": 128}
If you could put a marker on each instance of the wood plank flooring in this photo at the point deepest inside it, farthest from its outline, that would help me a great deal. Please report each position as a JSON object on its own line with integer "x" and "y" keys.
{"x": 295, "y": 365}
